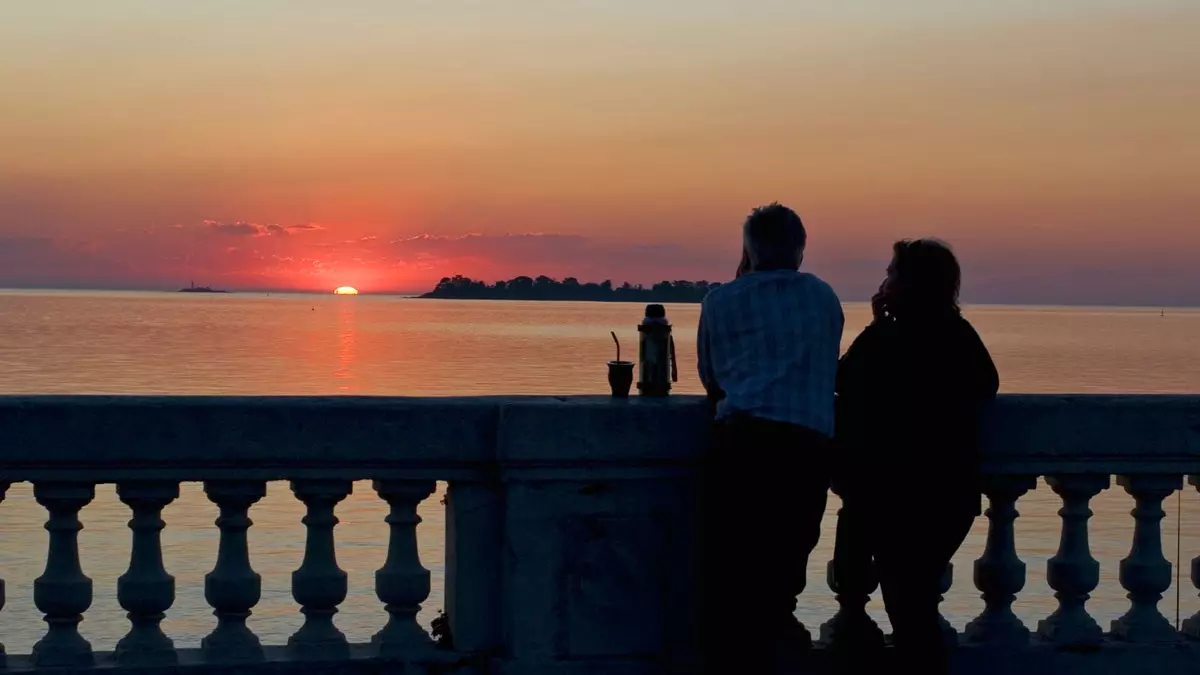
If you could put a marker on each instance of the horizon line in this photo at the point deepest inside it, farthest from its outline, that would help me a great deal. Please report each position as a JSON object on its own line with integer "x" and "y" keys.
{"x": 415, "y": 295}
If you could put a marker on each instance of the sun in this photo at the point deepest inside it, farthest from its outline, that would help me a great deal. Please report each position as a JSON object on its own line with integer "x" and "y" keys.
{"x": 345, "y": 290}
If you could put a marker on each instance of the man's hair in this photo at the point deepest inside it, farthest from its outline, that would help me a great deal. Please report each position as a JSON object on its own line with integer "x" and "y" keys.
{"x": 774, "y": 237}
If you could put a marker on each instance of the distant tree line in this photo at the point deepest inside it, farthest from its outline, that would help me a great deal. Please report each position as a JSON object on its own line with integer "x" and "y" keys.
{"x": 544, "y": 288}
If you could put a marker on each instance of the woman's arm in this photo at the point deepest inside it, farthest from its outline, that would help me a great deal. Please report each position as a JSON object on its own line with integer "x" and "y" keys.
{"x": 856, "y": 366}
{"x": 987, "y": 382}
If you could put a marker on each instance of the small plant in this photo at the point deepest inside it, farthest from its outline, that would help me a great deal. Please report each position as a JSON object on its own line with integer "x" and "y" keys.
{"x": 439, "y": 629}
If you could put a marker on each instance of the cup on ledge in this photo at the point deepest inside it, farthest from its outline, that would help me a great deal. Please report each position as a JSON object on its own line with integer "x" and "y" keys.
{"x": 620, "y": 378}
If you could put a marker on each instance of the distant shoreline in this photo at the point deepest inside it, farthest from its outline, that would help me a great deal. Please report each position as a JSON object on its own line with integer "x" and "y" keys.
{"x": 193, "y": 288}
{"x": 431, "y": 296}
{"x": 544, "y": 288}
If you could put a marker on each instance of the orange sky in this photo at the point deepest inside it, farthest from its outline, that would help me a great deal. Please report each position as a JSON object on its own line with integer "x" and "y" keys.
{"x": 146, "y": 144}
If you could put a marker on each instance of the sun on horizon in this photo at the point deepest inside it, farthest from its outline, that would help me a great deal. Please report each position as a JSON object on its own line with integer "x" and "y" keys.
{"x": 345, "y": 290}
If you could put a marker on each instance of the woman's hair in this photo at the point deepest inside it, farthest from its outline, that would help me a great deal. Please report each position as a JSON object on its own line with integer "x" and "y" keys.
{"x": 927, "y": 277}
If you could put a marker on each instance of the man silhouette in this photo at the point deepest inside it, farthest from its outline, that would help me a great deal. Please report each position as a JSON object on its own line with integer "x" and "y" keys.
{"x": 767, "y": 348}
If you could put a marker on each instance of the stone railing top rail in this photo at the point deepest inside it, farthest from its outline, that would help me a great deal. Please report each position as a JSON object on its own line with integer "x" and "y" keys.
{"x": 111, "y": 438}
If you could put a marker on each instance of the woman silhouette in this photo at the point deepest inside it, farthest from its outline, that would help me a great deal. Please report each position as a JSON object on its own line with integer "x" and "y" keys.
{"x": 912, "y": 389}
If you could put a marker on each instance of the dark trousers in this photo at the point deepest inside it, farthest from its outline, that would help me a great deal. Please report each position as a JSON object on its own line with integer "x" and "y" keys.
{"x": 912, "y": 538}
{"x": 765, "y": 489}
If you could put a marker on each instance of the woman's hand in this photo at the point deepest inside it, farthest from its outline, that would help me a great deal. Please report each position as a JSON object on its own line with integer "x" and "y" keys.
{"x": 879, "y": 302}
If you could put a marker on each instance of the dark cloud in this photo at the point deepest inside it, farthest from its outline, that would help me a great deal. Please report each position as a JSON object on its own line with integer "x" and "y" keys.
{"x": 245, "y": 229}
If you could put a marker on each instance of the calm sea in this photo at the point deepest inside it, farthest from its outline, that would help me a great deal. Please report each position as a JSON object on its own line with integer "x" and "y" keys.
{"x": 166, "y": 343}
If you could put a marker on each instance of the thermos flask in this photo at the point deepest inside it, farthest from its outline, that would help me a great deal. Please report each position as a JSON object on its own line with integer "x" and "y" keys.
{"x": 656, "y": 353}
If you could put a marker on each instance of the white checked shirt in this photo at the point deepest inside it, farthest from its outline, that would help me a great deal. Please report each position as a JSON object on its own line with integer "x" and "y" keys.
{"x": 770, "y": 341}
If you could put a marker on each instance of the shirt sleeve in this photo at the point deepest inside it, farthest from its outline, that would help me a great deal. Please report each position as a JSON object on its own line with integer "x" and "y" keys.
{"x": 704, "y": 357}
{"x": 839, "y": 319}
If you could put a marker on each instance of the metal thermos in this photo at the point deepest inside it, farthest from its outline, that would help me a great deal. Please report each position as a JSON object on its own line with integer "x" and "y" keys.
{"x": 656, "y": 353}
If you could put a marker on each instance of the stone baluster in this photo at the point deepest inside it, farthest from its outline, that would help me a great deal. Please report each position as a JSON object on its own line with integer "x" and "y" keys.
{"x": 233, "y": 588}
{"x": 1191, "y": 626}
{"x": 1146, "y": 572}
{"x": 944, "y": 585}
{"x": 474, "y": 555}
{"x": 402, "y": 584}
{"x": 319, "y": 586}
{"x": 63, "y": 593}
{"x": 851, "y": 576}
{"x": 146, "y": 591}
{"x": 1073, "y": 573}
{"x": 999, "y": 573}
{"x": 3, "y": 657}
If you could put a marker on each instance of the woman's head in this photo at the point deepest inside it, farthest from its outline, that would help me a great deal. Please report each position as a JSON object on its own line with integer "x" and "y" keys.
{"x": 923, "y": 278}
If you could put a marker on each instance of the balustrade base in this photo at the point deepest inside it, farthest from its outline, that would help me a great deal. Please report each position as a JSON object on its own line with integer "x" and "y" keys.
{"x": 401, "y": 638}
{"x": 1075, "y": 628}
{"x": 855, "y": 629}
{"x": 1191, "y": 627}
{"x": 317, "y": 639}
{"x": 949, "y": 634}
{"x": 62, "y": 646}
{"x": 999, "y": 626}
{"x": 276, "y": 660}
{"x": 153, "y": 648}
{"x": 1111, "y": 657}
{"x": 1144, "y": 627}
{"x": 233, "y": 643}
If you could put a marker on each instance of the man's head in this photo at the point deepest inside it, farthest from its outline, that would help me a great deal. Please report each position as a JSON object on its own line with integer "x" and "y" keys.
{"x": 774, "y": 238}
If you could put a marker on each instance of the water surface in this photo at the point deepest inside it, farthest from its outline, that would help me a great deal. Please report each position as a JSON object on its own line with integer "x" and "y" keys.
{"x": 167, "y": 343}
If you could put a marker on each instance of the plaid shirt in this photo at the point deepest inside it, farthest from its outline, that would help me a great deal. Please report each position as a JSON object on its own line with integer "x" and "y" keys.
{"x": 770, "y": 342}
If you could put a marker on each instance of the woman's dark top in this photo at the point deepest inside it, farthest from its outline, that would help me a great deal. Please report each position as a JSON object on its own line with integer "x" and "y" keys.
{"x": 911, "y": 396}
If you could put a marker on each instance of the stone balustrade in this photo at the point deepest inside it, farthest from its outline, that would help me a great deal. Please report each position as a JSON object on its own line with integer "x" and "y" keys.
{"x": 570, "y": 529}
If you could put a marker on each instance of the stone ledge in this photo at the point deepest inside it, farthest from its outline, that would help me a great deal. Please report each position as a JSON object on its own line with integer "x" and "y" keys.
{"x": 269, "y": 438}
{"x": 111, "y": 432}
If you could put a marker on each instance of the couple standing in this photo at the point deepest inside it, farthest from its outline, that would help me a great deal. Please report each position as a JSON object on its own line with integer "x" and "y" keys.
{"x": 902, "y": 448}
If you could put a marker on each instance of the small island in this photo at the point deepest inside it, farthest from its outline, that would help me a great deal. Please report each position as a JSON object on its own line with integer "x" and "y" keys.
{"x": 193, "y": 288}
{"x": 545, "y": 288}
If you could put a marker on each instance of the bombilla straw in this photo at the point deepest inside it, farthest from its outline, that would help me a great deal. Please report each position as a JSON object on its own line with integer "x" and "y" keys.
{"x": 613, "y": 333}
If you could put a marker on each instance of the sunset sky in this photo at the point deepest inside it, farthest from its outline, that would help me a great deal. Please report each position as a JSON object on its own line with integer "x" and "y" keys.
{"x": 383, "y": 144}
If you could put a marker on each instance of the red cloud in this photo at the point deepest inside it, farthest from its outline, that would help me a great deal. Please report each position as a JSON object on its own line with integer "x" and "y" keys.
{"x": 238, "y": 229}
{"x": 500, "y": 256}
{"x": 240, "y": 254}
